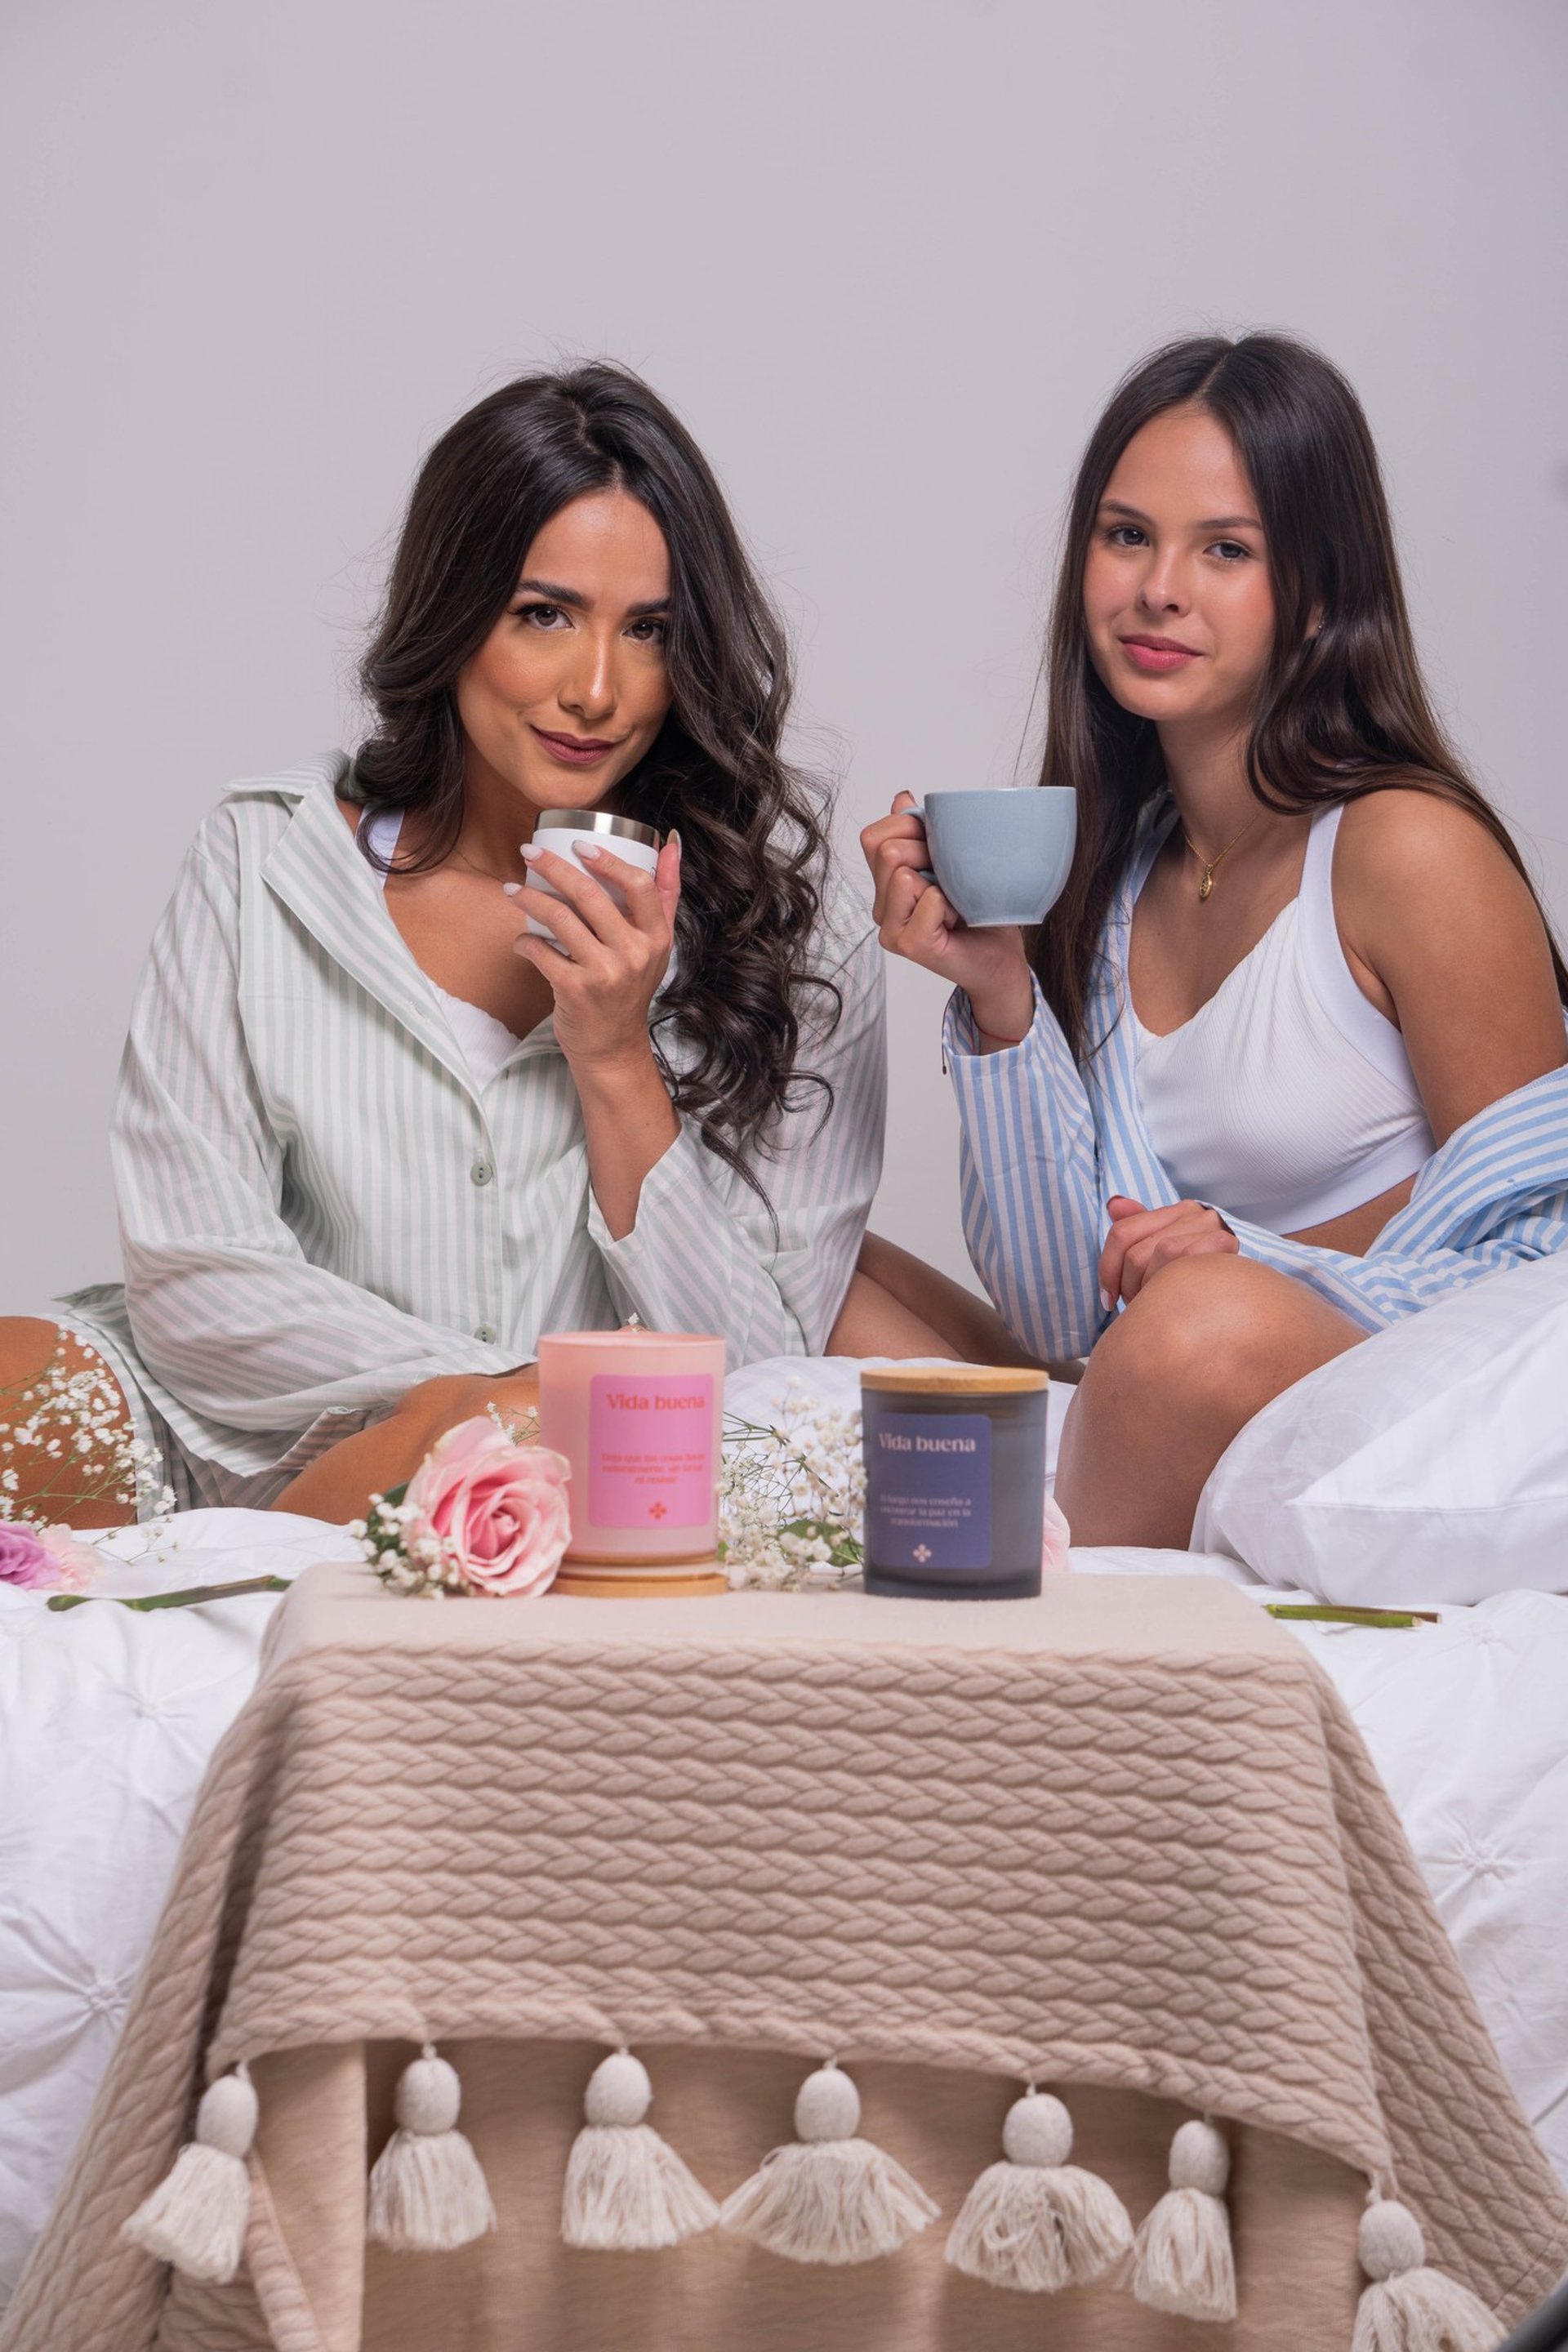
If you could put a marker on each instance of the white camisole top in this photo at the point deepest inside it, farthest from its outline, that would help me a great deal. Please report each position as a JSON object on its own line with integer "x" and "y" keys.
{"x": 487, "y": 1044}
{"x": 1288, "y": 1098}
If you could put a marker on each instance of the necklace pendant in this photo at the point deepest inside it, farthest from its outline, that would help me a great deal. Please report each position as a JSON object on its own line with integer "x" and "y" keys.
{"x": 1207, "y": 885}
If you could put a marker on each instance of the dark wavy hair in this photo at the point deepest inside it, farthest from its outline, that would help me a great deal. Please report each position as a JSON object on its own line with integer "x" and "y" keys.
{"x": 1342, "y": 710}
{"x": 753, "y": 840}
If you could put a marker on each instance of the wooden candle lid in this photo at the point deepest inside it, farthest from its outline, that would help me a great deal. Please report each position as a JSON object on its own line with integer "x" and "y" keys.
{"x": 953, "y": 1380}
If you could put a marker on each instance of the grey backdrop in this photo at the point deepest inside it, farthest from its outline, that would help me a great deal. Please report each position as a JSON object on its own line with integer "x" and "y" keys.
{"x": 885, "y": 256}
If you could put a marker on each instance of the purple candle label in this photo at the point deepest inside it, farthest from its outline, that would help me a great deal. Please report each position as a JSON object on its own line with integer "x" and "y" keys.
{"x": 928, "y": 1490}
{"x": 650, "y": 1450}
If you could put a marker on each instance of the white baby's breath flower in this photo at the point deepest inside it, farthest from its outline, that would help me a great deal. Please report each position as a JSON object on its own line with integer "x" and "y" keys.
{"x": 792, "y": 1495}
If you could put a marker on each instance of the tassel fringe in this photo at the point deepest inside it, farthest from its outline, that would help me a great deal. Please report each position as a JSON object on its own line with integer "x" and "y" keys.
{"x": 428, "y": 2191}
{"x": 625, "y": 2188}
{"x": 196, "y": 2217}
{"x": 1034, "y": 2221}
{"x": 1182, "y": 2258}
{"x": 1407, "y": 2307}
{"x": 829, "y": 2196}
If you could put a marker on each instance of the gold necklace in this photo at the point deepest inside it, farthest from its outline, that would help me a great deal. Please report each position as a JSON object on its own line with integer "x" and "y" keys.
{"x": 1209, "y": 864}
{"x": 457, "y": 858}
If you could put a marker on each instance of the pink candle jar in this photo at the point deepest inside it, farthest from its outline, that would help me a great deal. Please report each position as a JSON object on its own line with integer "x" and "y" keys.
{"x": 639, "y": 1415}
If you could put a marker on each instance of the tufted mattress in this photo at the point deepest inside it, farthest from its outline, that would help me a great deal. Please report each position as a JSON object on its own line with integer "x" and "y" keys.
{"x": 1125, "y": 1835}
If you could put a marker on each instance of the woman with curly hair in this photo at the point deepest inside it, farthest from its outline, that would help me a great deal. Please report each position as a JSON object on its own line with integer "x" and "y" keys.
{"x": 389, "y": 1109}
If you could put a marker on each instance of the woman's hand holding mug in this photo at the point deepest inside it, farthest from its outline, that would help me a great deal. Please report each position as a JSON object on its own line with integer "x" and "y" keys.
{"x": 915, "y": 920}
{"x": 603, "y": 942}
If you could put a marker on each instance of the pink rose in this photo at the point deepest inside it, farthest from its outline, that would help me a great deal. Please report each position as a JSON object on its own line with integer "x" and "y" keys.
{"x": 44, "y": 1559}
{"x": 1056, "y": 1536}
{"x": 497, "y": 1510}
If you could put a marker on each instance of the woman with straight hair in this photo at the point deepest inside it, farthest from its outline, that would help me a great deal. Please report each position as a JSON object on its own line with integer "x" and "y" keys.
{"x": 389, "y": 1108}
{"x": 1284, "y": 1061}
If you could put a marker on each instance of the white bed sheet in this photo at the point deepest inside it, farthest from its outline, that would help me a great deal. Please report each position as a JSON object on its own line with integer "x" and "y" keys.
{"x": 107, "y": 1721}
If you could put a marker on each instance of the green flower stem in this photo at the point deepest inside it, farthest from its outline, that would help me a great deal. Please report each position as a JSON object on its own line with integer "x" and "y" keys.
{"x": 1320, "y": 1612}
{"x": 191, "y": 1598}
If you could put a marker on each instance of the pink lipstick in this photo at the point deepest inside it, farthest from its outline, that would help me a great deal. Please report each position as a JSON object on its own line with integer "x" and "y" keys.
{"x": 1157, "y": 654}
{"x": 575, "y": 751}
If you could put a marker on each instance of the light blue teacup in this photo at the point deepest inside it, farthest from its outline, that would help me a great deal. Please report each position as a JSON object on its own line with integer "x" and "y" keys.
{"x": 1003, "y": 855}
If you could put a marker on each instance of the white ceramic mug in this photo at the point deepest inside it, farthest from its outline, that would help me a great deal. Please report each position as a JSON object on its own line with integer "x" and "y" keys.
{"x": 568, "y": 832}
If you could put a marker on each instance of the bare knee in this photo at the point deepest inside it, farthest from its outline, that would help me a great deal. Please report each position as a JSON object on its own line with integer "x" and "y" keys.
{"x": 1195, "y": 1328}
{"x": 54, "y": 1391}
{"x": 27, "y": 1344}
{"x": 1214, "y": 1337}
{"x": 432, "y": 1407}
{"x": 1206, "y": 1343}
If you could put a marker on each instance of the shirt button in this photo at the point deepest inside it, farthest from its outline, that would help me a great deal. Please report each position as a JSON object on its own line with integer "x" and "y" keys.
{"x": 486, "y": 1331}
{"x": 481, "y": 1171}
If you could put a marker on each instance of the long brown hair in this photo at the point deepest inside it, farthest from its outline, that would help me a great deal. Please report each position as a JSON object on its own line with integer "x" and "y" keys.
{"x": 754, "y": 844}
{"x": 1342, "y": 709}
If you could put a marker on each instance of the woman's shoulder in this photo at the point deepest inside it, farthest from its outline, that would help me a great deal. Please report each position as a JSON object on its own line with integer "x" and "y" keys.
{"x": 1423, "y": 869}
{"x": 1405, "y": 824}
{"x": 1417, "y": 844}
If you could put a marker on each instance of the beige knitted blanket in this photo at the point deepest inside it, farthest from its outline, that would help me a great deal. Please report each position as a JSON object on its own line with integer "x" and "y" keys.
{"x": 1123, "y": 1835}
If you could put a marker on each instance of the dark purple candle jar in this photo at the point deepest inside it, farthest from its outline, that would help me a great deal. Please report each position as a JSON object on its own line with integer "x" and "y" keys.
{"x": 955, "y": 1480}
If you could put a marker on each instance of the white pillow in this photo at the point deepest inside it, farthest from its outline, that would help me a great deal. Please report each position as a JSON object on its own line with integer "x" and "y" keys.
{"x": 1429, "y": 1464}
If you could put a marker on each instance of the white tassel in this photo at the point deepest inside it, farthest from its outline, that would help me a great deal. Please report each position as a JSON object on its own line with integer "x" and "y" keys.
{"x": 428, "y": 2191}
{"x": 1182, "y": 2259}
{"x": 625, "y": 2187}
{"x": 1035, "y": 2221}
{"x": 828, "y": 2197}
{"x": 1407, "y": 2307}
{"x": 196, "y": 2217}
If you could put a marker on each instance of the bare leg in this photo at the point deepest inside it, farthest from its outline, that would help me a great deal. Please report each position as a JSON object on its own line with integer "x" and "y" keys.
{"x": 338, "y": 1485}
{"x": 873, "y": 1322}
{"x": 899, "y": 1305}
{"x": 56, "y": 1487}
{"x": 1206, "y": 1343}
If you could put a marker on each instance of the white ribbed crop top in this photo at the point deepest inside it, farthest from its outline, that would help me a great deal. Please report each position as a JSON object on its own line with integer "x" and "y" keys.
{"x": 1288, "y": 1098}
{"x": 487, "y": 1044}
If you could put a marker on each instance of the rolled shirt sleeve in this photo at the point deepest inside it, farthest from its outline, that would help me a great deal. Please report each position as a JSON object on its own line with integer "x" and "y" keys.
{"x": 705, "y": 1254}
{"x": 1030, "y": 1179}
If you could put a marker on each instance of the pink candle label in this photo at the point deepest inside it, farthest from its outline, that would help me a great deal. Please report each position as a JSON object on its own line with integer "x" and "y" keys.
{"x": 650, "y": 1450}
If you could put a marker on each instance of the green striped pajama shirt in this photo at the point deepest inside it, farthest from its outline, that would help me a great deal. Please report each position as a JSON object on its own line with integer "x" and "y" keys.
{"x": 318, "y": 1207}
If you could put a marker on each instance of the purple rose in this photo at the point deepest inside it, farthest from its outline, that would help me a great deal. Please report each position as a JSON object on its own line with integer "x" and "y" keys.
{"x": 25, "y": 1561}
{"x": 44, "y": 1559}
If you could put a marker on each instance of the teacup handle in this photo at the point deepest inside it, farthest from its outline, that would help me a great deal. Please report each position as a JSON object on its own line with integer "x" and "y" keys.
{"x": 918, "y": 810}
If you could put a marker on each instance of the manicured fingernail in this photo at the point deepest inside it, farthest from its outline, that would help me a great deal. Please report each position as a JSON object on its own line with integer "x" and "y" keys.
{"x": 1105, "y": 1300}
{"x": 675, "y": 839}
{"x": 512, "y": 889}
{"x": 530, "y": 851}
{"x": 591, "y": 849}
